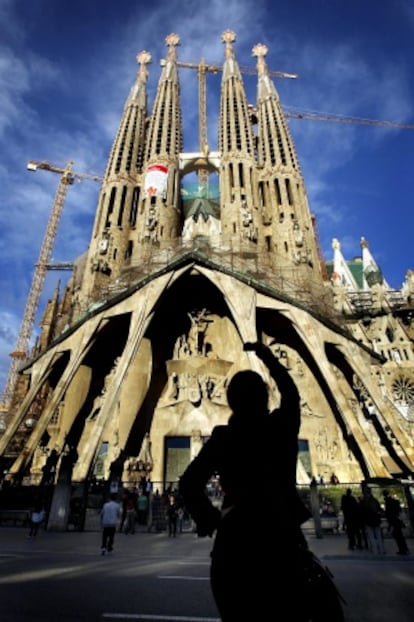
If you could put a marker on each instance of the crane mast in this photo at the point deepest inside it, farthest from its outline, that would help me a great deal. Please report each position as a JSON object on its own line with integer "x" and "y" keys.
{"x": 20, "y": 353}
{"x": 202, "y": 104}
{"x": 202, "y": 68}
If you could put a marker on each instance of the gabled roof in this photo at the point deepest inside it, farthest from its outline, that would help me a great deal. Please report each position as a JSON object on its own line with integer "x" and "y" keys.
{"x": 192, "y": 259}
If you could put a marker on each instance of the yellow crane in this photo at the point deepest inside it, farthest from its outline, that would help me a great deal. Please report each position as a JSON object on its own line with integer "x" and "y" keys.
{"x": 202, "y": 69}
{"x": 20, "y": 353}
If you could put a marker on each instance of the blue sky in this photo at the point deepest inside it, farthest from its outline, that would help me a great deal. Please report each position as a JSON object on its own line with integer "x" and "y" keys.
{"x": 66, "y": 68}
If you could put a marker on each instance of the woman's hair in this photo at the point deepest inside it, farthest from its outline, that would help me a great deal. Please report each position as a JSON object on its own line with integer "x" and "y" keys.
{"x": 247, "y": 391}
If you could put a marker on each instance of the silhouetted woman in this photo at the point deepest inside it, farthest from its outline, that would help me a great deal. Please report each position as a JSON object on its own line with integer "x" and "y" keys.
{"x": 256, "y": 561}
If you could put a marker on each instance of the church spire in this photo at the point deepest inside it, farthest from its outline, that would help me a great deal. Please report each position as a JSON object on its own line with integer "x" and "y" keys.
{"x": 272, "y": 122}
{"x": 111, "y": 243}
{"x": 138, "y": 92}
{"x": 371, "y": 271}
{"x": 341, "y": 274}
{"x": 126, "y": 156}
{"x": 238, "y": 188}
{"x": 288, "y": 229}
{"x": 160, "y": 221}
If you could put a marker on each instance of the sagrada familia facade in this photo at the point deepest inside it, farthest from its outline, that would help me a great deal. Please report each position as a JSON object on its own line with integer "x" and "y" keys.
{"x": 129, "y": 374}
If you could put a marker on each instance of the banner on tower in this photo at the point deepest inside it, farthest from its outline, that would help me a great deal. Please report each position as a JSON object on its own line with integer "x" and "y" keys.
{"x": 156, "y": 178}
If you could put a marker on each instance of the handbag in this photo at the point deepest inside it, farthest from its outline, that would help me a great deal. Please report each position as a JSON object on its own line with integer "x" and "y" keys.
{"x": 324, "y": 601}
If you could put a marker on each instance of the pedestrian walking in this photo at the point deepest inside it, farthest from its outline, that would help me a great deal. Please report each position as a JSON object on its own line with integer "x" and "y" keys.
{"x": 110, "y": 516}
{"x": 243, "y": 586}
{"x": 37, "y": 516}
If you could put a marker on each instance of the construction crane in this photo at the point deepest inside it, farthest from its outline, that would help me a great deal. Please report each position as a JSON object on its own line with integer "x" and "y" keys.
{"x": 20, "y": 353}
{"x": 336, "y": 118}
{"x": 203, "y": 68}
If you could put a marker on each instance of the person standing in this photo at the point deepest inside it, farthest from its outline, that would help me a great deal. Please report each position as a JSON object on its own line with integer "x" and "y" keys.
{"x": 155, "y": 512}
{"x": 352, "y": 519}
{"x": 180, "y": 518}
{"x": 371, "y": 516}
{"x": 395, "y": 524}
{"x": 242, "y": 585}
{"x": 110, "y": 515}
{"x": 334, "y": 479}
{"x": 130, "y": 503}
{"x": 172, "y": 515}
{"x": 142, "y": 508}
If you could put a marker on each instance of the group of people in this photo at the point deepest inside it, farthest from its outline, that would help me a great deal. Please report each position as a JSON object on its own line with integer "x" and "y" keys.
{"x": 167, "y": 512}
{"x": 319, "y": 480}
{"x": 363, "y": 521}
{"x": 135, "y": 508}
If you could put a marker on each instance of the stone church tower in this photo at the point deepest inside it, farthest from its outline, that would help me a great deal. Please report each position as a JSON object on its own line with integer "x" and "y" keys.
{"x": 129, "y": 375}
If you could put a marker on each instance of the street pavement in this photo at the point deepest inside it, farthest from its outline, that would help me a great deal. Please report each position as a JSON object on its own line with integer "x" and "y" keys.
{"x": 151, "y": 577}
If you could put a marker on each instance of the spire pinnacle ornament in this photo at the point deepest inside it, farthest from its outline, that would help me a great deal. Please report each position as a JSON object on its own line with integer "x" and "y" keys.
{"x": 172, "y": 41}
{"x": 260, "y": 50}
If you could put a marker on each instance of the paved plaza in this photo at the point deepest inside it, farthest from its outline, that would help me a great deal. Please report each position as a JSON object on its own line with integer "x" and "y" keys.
{"x": 151, "y": 577}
